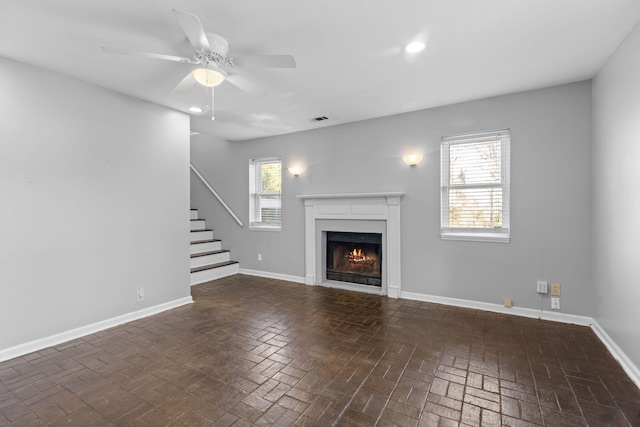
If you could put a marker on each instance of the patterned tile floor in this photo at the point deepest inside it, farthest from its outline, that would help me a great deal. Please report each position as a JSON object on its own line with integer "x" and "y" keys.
{"x": 262, "y": 352}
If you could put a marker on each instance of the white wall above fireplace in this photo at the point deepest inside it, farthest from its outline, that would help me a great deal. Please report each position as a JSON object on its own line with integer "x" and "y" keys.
{"x": 382, "y": 209}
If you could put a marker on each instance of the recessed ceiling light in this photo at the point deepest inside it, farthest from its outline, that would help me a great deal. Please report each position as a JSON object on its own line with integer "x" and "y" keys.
{"x": 195, "y": 109}
{"x": 414, "y": 47}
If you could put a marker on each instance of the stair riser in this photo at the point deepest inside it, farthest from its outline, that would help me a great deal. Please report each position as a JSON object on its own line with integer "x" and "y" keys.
{"x": 214, "y": 273}
{"x": 201, "y": 235}
{"x": 198, "y": 248}
{"x": 198, "y": 225}
{"x": 194, "y": 214}
{"x": 210, "y": 259}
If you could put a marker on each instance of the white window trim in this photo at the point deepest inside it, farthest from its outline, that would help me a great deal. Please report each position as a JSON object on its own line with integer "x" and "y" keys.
{"x": 254, "y": 194}
{"x": 500, "y": 235}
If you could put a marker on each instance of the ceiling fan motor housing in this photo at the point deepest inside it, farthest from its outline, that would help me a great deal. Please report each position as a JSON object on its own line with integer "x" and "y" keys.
{"x": 219, "y": 49}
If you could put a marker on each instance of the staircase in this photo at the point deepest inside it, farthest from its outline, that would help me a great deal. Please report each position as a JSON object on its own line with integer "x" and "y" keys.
{"x": 208, "y": 260}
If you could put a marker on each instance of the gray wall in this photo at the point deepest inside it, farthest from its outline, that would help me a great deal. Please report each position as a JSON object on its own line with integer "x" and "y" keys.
{"x": 551, "y": 201}
{"x": 616, "y": 196}
{"x": 94, "y": 190}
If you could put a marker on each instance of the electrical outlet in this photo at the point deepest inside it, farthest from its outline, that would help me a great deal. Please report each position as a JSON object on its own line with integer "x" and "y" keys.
{"x": 542, "y": 287}
{"x": 555, "y": 303}
{"x": 140, "y": 294}
{"x": 555, "y": 289}
{"x": 507, "y": 302}
{"x": 259, "y": 257}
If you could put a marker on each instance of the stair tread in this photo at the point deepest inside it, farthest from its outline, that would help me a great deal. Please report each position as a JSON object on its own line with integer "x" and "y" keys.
{"x": 221, "y": 251}
{"x": 206, "y": 241}
{"x": 212, "y": 266}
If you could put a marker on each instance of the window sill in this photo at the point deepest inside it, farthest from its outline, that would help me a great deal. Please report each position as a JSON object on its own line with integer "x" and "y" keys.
{"x": 265, "y": 227}
{"x": 477, "y": 237}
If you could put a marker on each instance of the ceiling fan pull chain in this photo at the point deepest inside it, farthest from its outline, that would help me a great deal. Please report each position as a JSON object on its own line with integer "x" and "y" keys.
{"x": 212, "y": 98}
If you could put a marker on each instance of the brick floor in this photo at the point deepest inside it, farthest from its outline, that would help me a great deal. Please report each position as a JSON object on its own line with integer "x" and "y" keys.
{"x": 262, "y": 352}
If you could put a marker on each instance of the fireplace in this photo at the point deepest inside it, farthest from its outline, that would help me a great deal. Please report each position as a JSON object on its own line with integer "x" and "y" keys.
{"x": 354, "y": 257}
{"x": 355, "y": 213}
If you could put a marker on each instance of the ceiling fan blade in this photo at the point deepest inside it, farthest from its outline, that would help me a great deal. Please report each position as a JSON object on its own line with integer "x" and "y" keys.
{"x": 185, "y": 84}
{"x": 264, "y": 61}
{"x": 192, "y": 27}
{"x": 162, "y": 56}
{"x": 246, "y": 85}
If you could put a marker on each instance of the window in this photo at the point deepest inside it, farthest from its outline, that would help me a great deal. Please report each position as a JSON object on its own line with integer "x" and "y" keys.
{"x": 475, "y": 186}
{"x": 265, "y": 203}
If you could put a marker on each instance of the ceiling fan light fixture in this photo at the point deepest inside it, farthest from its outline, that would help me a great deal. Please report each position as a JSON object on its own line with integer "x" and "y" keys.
{"x": 195, "y": 109}
{"x": 208, "y": 77}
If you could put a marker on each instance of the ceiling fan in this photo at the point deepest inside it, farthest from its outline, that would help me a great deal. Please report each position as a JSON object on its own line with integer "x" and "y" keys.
{"x": 211, "y": 62}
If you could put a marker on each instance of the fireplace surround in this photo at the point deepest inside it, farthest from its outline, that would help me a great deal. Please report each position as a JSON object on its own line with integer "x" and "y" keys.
{"x": 376, "y": 213}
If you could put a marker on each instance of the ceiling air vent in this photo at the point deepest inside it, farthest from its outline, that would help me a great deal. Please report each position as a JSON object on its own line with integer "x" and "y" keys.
{"x": 319, "y": 119}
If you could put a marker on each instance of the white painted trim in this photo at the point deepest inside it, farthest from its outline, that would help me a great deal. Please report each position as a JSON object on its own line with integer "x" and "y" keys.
{"x": 270, "y": 275}
{"x": 53, "y": 340}
{"x": 349, "y": 195}
{"x": 393, "y": 292}
{"x": 384, "y": 207}
{"x": 629, "y": 367}
{"x": 497, "y": 308}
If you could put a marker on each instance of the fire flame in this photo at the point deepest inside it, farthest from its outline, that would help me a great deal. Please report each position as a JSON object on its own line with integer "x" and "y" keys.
{"x": 357, "y": 256}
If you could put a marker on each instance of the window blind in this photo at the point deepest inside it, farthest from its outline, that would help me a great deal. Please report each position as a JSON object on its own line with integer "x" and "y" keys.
{"x": 475, "y": 186}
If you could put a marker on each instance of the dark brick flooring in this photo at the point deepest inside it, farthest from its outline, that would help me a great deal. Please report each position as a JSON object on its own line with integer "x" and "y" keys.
{"x": 261, "y": 352}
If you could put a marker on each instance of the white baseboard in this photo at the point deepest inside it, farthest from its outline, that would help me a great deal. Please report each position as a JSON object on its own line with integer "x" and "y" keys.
{"x": 629, "y": 367}
{"x": 269, "y": 275}
{"x": 39, "y": 344}
{"x": 497, "y": 308}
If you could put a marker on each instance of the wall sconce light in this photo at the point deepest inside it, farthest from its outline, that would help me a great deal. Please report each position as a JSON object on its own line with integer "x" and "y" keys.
{"x": 295, "y": 170}
{"x": 412, "y": 159}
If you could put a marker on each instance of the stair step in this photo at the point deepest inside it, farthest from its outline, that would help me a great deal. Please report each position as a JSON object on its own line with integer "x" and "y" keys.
{"x": 198, "y": 224}
{"x": 211, "y": 257}
{"x": 201, "y": 235}
{"x": 210, "y": 272}
{"x": 205, "y": 246}
{"x": 212, "y": 266}
{"x": 208, "y": 260}
{"x": 209, "y": 253}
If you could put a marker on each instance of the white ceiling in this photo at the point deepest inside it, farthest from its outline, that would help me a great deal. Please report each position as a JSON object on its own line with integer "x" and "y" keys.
{"x": 351, "y": 63}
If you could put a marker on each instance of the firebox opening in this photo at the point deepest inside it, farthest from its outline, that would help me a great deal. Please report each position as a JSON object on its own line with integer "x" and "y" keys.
{"x": 354, "y": 257}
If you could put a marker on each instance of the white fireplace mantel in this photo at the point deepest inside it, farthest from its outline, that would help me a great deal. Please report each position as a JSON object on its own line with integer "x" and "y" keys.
{"x": 349, "y": 195}
{"x": 384, "y": 207}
